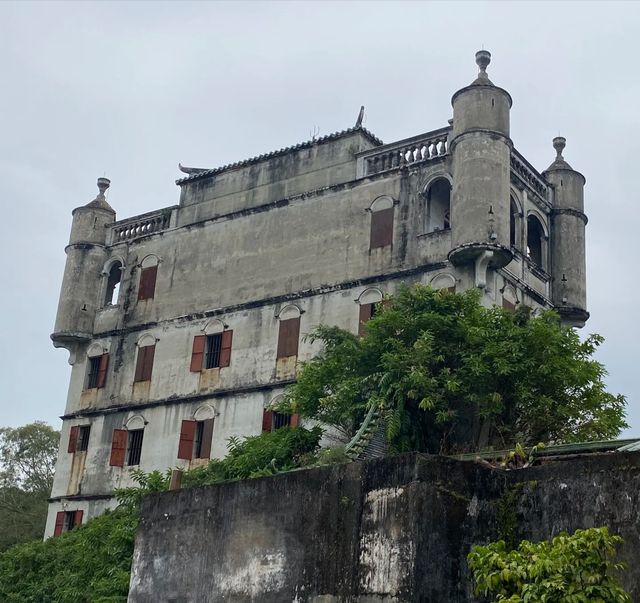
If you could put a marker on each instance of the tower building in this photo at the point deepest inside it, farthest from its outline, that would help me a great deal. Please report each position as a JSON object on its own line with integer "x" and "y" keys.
{"x": 184, "y": 325}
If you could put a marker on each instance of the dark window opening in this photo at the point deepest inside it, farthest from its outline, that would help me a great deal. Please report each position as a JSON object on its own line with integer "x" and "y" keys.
{"x": 535, "y": 236}
{"x": 281, "y": 419}
{"x": 113, "y": 284}
{"x": 513, "y": 223}
{"x": 439, "y": 206}
{"x": 202, "y": 442}
{"x": 214, "y": 347}
{"x": 94, "y": 371}
{"x": 83, "y": 438}
{"x": 69, "y": 521}
{"x": 197, "y": 443}
{"x": 381, "y": 228}
{"x": 97, "y": 371}
{"x": 367, "y": 312}
{"x": 134, "y": 447}
{"x": 272, "y": 420}
{"x": 195, "y": 439}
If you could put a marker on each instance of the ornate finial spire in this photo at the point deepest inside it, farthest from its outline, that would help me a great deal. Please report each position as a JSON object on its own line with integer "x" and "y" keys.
{"x": 103, "y": 185}
{"x": 483, "y": 58}
{"x": 559, "y": 143}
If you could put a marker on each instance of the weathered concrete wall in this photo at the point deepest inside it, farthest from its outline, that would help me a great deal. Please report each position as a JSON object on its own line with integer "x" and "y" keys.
{"x": 392, "y": 530}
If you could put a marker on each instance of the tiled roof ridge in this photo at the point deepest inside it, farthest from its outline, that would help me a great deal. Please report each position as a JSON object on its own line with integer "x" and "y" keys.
{"x": 283, "y": 151}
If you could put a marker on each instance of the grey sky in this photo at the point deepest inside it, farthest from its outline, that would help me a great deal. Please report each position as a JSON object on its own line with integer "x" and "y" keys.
{"x": 130, "y": 89}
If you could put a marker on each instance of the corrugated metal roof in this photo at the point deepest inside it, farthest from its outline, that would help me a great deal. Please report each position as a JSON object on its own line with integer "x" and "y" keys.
{"x": 627, "y": 445}
{"x": 302, "y": 145}
{"x": 632, "y": 446}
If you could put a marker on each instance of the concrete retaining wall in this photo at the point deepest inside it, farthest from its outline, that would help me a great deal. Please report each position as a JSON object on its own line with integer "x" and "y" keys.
{"x": 391, "y": 530}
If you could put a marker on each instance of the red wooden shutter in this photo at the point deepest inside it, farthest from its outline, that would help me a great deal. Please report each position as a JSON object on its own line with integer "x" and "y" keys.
{"x": 225, "y": 350}
{"x": 59, "y": 523}
{"x": 147, "y": 287}
{"x": 148, "y": 362}
{"x": 77, "y": 520}
{"x": 207, "y": 436}
{"x": 102, "y": 370}
{"x": 366, "y": 312}
{"x": 139, "y": 364}
{"x": 197, "y": 353}
{"x": 118, "y": 447}
{"x": 73, "y": 438}
{"x": 144, "y": 364}
{"x": 381, "y": 228}
{"x": 187, "y": 434}
{"x": 267, "y": 420}
{"x": 295, "y": 420}
{"x": 288, "y": 337}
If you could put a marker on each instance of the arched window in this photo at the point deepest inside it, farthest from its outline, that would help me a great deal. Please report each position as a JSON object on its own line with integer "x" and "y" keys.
{"x": 535, "y": 238}
{"x": 113, "y": 284}
{"x": 289, "y": 331}
{"x": 381, "y": 233}
{"x": 513, "y": 223}
{"x": 444, "y": 281}
{"x": 369, "y": 301}
{"x": 273, "y": 419}
{"x": 439, "y": 206}
{"x": 148, "y": 275}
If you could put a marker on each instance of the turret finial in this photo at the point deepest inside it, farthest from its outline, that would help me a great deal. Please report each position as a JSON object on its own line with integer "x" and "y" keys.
{"x": 103, "y": 185}
{"x": 559, "y": 143}
{"x": 483, "y": 58}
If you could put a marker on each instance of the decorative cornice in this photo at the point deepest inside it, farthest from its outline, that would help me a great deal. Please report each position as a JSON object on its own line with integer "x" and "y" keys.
{"x": 174, "y": 400}
{"x": 278, "y": 299}
{"x": 569, "y": 211}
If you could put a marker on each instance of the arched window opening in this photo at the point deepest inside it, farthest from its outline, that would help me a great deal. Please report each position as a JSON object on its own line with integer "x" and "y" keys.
{"x": 113, "y": 284}
{"x": 439, "y": 206}
{"x": 535, "y": 236}
{"x": 513, "y": 222}
{"x": 381, "y": 222}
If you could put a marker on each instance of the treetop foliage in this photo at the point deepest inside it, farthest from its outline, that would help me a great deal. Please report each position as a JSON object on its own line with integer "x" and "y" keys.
{"x": 453, "y": 375}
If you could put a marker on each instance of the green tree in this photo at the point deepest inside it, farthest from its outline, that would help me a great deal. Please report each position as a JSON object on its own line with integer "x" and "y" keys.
{"x": 27, "y": 461}
{"x": 452, "y": 375}
{"x": 569, "y": 569}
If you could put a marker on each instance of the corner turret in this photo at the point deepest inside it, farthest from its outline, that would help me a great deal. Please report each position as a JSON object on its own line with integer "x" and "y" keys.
{"x": 568, "y": 221}
{"x": 86, "y": 254}
{"x": 481, "y": 152}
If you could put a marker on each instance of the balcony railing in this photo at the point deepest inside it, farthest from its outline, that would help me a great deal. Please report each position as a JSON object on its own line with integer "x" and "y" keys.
{"x": 424, "y": 147}
{"x": 140, "y": 226}
{"x": 528, "y": 174}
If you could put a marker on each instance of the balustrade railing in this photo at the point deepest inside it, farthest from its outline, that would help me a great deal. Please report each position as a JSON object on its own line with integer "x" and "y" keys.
{"x": 140, "y": 226}
{"x": 522, "y": 168}
{"x": 406, "y": 152}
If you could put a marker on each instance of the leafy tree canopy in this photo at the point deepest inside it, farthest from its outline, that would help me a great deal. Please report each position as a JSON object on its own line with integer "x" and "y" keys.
{"x": 27, "y": 460}
{"x": 452, "y": 375}
{"x": 576, "y": 569}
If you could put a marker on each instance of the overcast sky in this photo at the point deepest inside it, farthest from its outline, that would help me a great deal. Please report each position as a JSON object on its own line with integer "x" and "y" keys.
{"x": 131, "y": 89}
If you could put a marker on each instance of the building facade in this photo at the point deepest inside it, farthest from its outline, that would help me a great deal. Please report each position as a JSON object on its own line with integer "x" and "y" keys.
{"x": 184, "y": 325}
